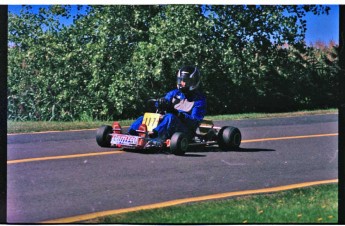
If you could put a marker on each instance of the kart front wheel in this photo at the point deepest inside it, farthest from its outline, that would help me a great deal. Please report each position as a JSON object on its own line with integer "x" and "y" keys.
{"x": 229, "y": 138}
{"x": 103, "y": 136}
{"x": 179, "y": 143}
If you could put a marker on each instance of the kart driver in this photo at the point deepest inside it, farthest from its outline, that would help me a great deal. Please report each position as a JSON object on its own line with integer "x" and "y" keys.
{"x": 185, "y": 107}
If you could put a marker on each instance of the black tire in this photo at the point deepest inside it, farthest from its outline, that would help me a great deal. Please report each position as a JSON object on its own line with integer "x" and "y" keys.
{"x": 229, "y": 138}
{"x": 102, "y": 136}
{"x": 179, "y": 143}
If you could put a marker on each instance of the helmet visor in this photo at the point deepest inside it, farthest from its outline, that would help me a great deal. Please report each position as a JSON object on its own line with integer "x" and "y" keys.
{"x": 185, "y": 79}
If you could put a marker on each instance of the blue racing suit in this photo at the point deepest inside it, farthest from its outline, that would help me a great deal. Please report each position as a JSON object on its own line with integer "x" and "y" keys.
{"x": 189, "y": 112}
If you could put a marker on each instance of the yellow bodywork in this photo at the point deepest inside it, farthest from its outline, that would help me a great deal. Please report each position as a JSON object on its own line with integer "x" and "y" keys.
{"x": 151, "y": 120}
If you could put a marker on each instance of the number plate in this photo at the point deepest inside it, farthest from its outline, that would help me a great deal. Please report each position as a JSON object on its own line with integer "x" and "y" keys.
{"x": 124, "y": 139}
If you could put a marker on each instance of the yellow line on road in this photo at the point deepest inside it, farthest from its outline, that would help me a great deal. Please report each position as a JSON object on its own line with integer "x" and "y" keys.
{"x": 290, "y": 137}
{"x": 118, "y": 152}
{"x": 64, "y": 157}
{"x": 85, "y": 217}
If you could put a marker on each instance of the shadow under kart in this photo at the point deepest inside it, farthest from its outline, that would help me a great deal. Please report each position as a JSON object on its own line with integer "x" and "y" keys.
{"x": 201, "y": 152}
{"x": 206, "y": 135}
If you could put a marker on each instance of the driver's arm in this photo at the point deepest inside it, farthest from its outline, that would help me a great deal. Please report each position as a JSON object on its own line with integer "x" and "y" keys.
{"x": 197, "y": 115}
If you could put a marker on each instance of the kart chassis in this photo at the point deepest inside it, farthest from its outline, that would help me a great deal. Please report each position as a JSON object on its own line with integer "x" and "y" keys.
{"x": 227, "y": 137}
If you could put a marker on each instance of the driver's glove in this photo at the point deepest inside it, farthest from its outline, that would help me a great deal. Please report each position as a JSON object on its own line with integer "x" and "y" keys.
{"x": 162, "y": 104}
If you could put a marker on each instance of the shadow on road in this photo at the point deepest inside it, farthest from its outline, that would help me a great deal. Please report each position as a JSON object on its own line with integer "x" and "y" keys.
{"x": 201, "y": 151}
{"x": 253, "y": 149}
{"x": 192, "y": 155}
{"x": 216, "y": 149}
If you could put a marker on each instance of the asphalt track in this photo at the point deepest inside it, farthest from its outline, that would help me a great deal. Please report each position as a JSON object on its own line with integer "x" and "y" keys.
{"x": 58, "y": 175}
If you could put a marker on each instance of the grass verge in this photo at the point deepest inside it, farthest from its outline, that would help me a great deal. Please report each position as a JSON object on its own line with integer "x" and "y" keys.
{"x": 317, "y": 204}
{"x": 39, "y": 126}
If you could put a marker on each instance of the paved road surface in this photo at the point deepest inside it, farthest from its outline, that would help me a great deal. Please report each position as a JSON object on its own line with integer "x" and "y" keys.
{"x": 75, "y": 183}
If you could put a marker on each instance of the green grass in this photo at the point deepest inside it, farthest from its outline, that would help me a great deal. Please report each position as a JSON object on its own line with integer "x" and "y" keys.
{"x": 317, "y": 204}
{"x": 271, "y": 115}
{"x": 39, "y": 126}
{"x": 33, "y": 126}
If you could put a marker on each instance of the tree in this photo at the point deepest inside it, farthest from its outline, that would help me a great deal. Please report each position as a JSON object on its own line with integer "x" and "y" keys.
{"x": 113, "y": 58}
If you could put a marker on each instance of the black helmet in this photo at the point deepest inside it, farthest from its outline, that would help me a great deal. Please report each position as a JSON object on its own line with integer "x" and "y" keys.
{"x": 191, "y": 76}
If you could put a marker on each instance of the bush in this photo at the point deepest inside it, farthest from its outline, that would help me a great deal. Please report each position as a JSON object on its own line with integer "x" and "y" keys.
{"x": 114, "y": 58}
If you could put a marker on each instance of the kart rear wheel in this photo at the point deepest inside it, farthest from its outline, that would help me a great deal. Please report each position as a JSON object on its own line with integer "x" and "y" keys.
{"x": 229, "y": 138}
{"x": 103, "y": 136}
{"x": 179, "y": 143}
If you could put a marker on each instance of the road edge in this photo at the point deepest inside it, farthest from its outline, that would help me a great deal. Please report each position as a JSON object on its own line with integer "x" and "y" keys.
{"x": 90, "y": 216}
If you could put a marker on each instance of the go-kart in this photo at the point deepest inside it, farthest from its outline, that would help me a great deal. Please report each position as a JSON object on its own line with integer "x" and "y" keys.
{"x": 226, "y": 137}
